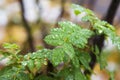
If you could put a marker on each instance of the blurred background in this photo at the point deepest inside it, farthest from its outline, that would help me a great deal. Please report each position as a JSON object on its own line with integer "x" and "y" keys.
{"x": 27, "y": 22}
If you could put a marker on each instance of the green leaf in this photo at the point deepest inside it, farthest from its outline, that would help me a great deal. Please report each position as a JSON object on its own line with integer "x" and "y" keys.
{"x": 64, "y": 72}
{"x": 97, "y": 24}
{"x": 36, "y": 60}
{"x": 69, "y": 77}
{"x": 97, "y": 52}
{"x": 57, "y": 56}
{"x": 38, "y": 63}
{"x": 55, "y": 39}
{"x": 12, "y": 48}
{"x": 69, "y": 33}
{"x": 22, "y": 76}
{"x": 102, "y": 60}
{"x": 85, "y": 60}
{"x": 77, "y": 12}
{"x": 75, "y": 62}
{"x": 77, "y": 9}
{"x": 40, "y": 54}
{"x": 80, "y": 38}
{"x": 116, "y": 41}
{"x": 112, "y": 75}
{"x": 59, "y": 36}
{"x": 13, "y": 73}
{"x": 69, "y": 50}
{"x": 65, "y": 25}
{"x": 79, "y": 75}
{"x": 31, "y": 65}
{"x": 43, "y": 77}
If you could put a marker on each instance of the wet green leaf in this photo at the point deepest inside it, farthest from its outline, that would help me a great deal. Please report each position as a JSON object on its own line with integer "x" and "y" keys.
{"x": 75, "y": 62}
{"x": 57, "y": 56}
{"x": 31, "y": 65}
{"x": 85, "y": 60}
{"x": 79, "y": 75}
{"x": 69, "y": 50}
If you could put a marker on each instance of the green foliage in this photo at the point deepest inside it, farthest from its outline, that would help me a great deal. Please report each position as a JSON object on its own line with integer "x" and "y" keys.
{"x": 79, "y": 75}
{"x": 57, "y": 56}
{"x": 75, "y": 35}
{"x": 100, "y": 58}
{"x": 42, "y": 77}
{"x": 102, "y": 27}
{"x": 13, "y": 73}
{"x": 85, "y": 60}
{"x": 71, "y": 51}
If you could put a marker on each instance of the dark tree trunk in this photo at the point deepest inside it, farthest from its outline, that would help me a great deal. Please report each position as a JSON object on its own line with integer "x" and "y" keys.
{"x": 44, "y": 30}
{"x": 80, "y": 2}
{"x": 91, "y": 4}
{"x": 27, "y": 28}
{"x": 62, "y": 8}
{"x": 44, "y": 33}
{"x": 112, "y": 11}
{"x": 62, "y": 12}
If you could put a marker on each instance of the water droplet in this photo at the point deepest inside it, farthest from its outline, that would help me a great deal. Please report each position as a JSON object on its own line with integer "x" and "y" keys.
{"x": 24, "y": 63}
